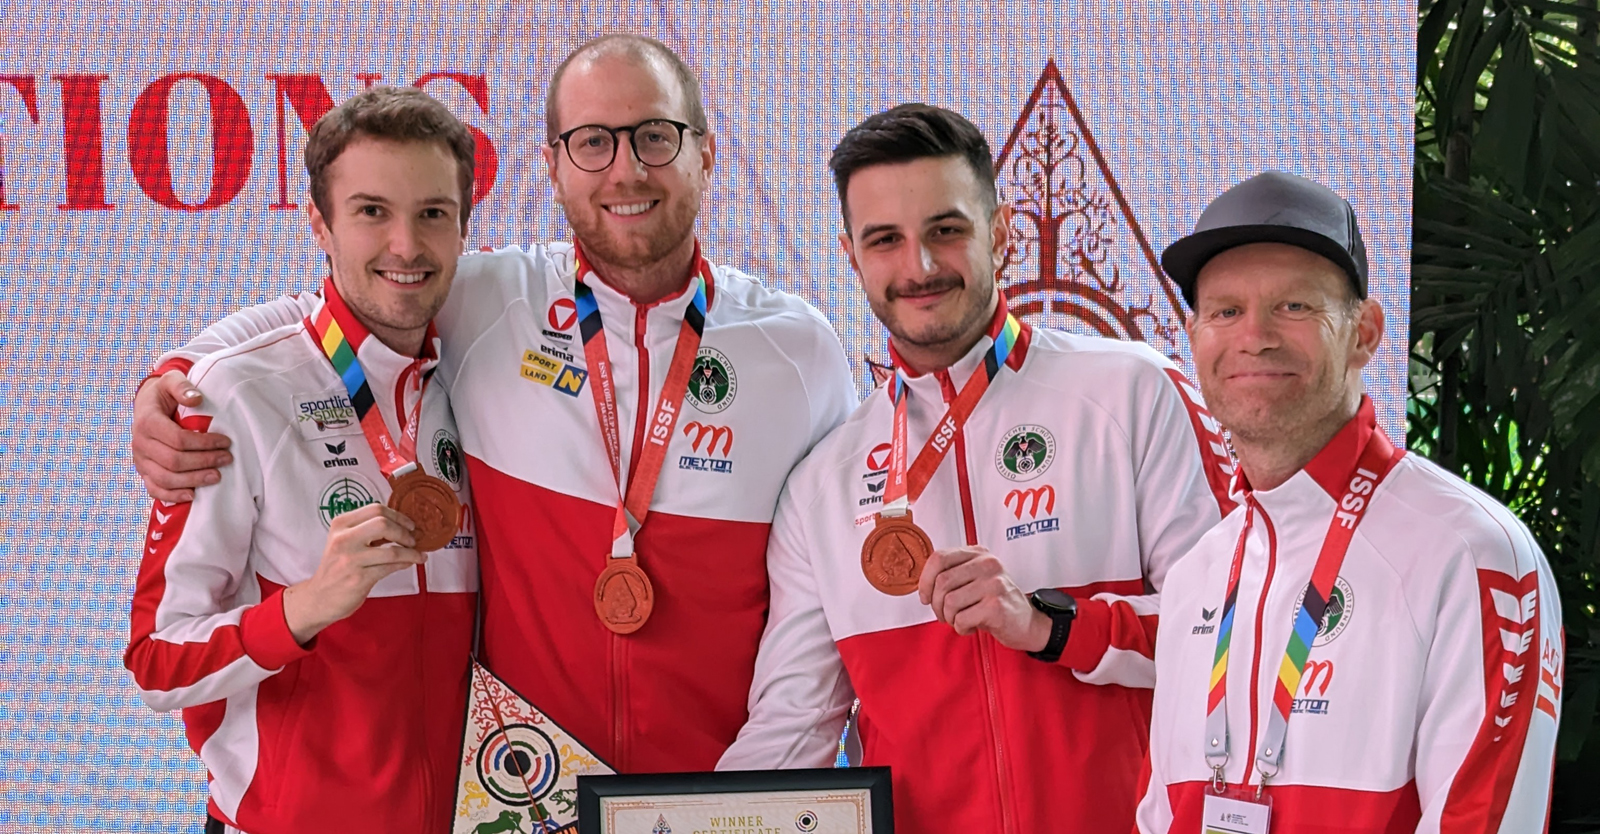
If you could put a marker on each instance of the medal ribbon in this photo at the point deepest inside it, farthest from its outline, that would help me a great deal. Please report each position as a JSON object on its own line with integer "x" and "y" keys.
{"x": 905, "y": 486}
{"x": 1376, "y": 461}
{"x": 329, "y": 331}
{"x": 633, "y": 502}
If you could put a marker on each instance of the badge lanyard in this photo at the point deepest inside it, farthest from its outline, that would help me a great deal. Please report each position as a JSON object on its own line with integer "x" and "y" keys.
{"x": 906, "y": 485}
{"x": 1375, "y": 463}
{"x": 634, "y": 494}
{"x": 395, "y": 459}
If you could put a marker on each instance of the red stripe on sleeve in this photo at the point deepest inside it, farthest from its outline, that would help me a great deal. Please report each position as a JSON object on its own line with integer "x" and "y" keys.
{"x": 158, "y": 665}
{"x": 1214, "y": 457}
{"x": 1482, "y": 786}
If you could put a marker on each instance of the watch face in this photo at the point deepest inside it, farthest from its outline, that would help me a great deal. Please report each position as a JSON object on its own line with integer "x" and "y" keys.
{"x": 1051, "y": 600}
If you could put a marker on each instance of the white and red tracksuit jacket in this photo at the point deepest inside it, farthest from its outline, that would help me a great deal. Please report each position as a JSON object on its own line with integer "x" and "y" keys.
{"x": 361, "y": 728}
{"x": 983, "y": 738}
{"x": 1431, "y": 694}
{"x": 671, "y": 696}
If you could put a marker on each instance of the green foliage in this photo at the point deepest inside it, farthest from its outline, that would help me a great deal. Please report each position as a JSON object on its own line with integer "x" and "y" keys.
{"x": 1505, "y": 317}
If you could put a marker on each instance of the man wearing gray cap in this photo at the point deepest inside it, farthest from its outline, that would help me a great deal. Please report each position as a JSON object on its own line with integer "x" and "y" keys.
{"x": 1367, "y": 644}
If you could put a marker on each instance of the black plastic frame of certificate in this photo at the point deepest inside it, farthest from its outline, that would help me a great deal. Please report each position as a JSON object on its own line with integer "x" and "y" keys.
{"x": 775, "y": 794}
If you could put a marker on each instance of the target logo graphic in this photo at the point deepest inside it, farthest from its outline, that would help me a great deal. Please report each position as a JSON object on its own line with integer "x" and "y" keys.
{"x": 807, "y": 821}
{"x": 514, "y": 759}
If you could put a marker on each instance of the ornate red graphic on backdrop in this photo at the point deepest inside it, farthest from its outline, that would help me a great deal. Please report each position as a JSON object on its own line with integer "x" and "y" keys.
{"x": 1077, "y": 253}
{"x": 1078, "y": 259}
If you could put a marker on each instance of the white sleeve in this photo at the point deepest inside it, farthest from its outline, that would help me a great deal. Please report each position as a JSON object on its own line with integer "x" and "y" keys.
{"x": 239, "y": 327}
{"x": 1491, "y": 698}
{"x": 800, "y": 693}
{"x": 188, "y": 646}
{"x": 1181, "y": 492}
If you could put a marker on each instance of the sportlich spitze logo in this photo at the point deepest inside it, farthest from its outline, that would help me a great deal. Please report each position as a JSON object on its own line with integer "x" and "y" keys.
{"x": 712, "y": 382}
{"x": 447, "y": 456}
{"x": 342, "y": 496}
{"x": 1341, "y": 606}
{"x": 1025, "y": 453}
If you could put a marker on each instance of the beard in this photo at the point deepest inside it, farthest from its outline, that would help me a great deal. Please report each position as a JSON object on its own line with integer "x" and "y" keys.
{"x": 672, "y": 224}
{"x": 1260, "y": 417}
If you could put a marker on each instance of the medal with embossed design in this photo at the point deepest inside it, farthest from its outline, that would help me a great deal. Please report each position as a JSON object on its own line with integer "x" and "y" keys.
{"x": 895, "y": 552}
{"x": 623, "y": 594}
{"x": 430, "y": 503}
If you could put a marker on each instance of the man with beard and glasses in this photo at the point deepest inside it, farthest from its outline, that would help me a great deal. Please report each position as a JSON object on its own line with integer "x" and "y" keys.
{"x": 629, "y": 413}
{"x": 977, "y": 552}
{"x": 316, "y": 640}
{"x": 1371, "y": 645}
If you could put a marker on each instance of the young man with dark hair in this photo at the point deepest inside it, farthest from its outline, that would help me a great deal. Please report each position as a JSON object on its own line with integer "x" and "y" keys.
{"x": 1370, "y": 645}
{"x": 316, "y": 638}
{"x": 629, "y": 412}
{"x": 993, "y": 611}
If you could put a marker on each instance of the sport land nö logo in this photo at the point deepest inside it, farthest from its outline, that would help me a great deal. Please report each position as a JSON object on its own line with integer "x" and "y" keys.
{"x": 712, "y": 382}
{"x": 1025, "y": 453}
{"x": 342, "y": 496}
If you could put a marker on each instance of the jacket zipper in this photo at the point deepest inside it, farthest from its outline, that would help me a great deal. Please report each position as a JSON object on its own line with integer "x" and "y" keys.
{"x": 619, "y": 667}
{"x": 1255, "y": 661}
{"x": 411, "y": 373}
{"x": 985, "y": 642}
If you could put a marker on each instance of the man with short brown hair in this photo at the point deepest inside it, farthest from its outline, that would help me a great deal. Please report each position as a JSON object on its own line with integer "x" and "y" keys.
{"x": 1369, "y": 645}
{"x": 629, "y": 412}
{"x": 317, "y": 640}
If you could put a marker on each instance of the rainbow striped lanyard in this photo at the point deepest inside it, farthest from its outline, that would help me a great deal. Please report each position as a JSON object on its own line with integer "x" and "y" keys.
{"x": 634, "y": 494}
{"x": 341, "y": 352}
{"x": 1374, "y": 464}
{"x": 906, "y": 485}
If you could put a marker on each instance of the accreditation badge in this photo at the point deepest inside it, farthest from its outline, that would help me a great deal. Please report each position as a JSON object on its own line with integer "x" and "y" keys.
{"x": 519, "y": 769}
{"x": 1235, "y": 811}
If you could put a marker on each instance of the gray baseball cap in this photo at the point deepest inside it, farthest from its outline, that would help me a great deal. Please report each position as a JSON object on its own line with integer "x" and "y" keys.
{"x": 1271, "y": 207}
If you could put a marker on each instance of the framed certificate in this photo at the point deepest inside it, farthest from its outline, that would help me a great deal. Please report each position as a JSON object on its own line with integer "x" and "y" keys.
{"x": 852, "y": 800}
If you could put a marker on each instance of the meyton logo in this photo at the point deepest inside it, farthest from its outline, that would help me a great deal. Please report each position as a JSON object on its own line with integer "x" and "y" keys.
{"x": 716, "y": 435}
{"x": 1318, "y": 675}
{"x": 1032, "y": 500}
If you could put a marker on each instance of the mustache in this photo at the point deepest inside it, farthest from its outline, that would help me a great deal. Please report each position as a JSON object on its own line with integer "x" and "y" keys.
{"x": 936, "y": 284}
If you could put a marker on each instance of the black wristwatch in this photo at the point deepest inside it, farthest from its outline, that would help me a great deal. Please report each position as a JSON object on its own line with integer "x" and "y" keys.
{"x": 1062, "y": 609}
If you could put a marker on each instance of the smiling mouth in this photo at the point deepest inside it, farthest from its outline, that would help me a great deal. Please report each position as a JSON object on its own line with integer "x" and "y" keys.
{"x": 405, "y": 277}
{"x": 631, "y": 209}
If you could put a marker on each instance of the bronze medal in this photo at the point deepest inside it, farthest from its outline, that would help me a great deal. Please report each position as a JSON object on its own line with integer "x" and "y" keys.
{"x": 431, "y": 504}
{"x": 623, "y": 595}
{"x": 894, "y": 553}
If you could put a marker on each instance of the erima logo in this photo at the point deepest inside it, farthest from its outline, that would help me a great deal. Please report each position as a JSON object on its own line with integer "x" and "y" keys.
{"x": 338, "y": 449}
{"x": 1205, "y": 614}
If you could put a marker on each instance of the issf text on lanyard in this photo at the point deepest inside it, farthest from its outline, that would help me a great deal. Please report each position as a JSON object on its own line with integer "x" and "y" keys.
{"x": 1377, "y": 459}
{"x": 894, "y": 553}
{"x": 623, "y": 594}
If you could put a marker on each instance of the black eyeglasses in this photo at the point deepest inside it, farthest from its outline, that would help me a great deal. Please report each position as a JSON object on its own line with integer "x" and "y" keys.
{"x": 656, "y": 142}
